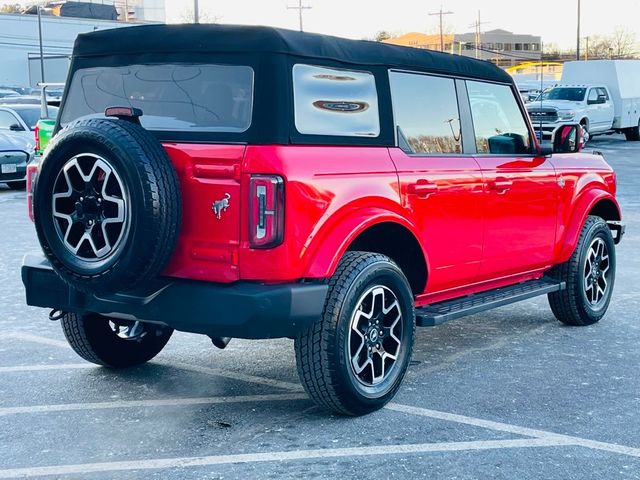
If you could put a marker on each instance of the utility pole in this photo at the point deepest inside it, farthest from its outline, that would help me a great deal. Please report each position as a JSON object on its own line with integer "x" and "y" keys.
{"x": 478, "y": 31}
{"x": 40, "y": 42}
{"x": 578, "y": 35}
{"x": 441, "y": 14}
{"x": 196, "y": 13}
{"x": 300, "y": 9}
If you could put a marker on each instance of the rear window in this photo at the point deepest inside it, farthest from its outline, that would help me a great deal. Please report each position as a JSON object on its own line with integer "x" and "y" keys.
{"x": 30, "y": 116}
{"x": 173, "y": 97}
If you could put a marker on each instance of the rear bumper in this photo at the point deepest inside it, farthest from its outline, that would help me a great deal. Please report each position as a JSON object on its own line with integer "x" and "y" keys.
{"x": 241, "y": 309}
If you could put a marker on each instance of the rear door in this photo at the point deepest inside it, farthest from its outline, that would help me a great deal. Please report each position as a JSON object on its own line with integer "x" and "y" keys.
{"x": 520, "y": 187}
{"x": 440, "y": 187}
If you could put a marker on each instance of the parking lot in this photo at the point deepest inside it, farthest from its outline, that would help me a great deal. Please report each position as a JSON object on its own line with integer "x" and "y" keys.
{"x": 508, "y": 394}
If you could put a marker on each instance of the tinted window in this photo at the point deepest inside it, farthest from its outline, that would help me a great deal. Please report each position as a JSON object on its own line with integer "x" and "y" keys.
{"x": 30, "y": 116}
{"x": 328, "y": 101}
{"x": 571, "y": 94}
{"x": 7, "y": 119}
{"x": 499, "y": 125}
{"x": 175, "y": 97}
{"x": 426, "y": 113}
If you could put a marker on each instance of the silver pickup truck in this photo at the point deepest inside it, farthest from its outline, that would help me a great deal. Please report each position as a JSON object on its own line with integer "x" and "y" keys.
{"x": 589, "y": 105}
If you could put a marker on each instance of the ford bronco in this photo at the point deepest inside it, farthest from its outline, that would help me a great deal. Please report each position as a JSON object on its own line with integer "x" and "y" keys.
{"x": 256, "y": 183}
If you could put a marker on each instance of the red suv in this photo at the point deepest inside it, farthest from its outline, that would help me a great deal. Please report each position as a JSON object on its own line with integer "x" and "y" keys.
{"x": 256, "y": 183}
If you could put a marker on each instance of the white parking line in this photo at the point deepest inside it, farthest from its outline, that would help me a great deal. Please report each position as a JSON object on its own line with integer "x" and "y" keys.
{"x": 505, "y": 427}
{"x": 39, "y": 368}
{"x": 36, "y": 339}
{"x": 163, "y": 463}
{"x": 423, "y": 412}
{"x": 165, "y": 402}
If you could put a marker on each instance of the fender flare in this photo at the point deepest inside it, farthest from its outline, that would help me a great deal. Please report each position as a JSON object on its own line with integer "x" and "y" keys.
{"x": 584, "y": 205}
{"x": 334, "y": 238}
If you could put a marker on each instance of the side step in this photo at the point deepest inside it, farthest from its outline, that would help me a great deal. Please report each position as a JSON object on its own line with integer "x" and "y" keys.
{"x": 437, "y": 313}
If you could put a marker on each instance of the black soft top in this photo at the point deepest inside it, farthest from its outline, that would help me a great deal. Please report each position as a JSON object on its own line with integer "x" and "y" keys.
{"x": 202, "y": 39}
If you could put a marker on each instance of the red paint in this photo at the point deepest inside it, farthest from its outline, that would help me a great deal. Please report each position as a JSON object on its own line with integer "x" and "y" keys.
{"x": 482, "y": 222}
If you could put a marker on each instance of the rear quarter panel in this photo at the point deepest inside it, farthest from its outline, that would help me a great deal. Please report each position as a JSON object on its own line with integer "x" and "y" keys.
{"x": 331, "y": 195}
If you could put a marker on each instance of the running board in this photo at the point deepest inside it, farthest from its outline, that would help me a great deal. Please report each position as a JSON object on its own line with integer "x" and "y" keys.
{"x": 437, "y": 313}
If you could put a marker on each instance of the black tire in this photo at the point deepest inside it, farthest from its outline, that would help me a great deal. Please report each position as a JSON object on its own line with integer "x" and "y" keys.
{"x": 633, "y": 134}
{"x": 147, "y": 184}
{"x": 323, "y": 352}
{"x": 573, "y": 306}
{"x": 93, "y": 337}
{"x": 19, "y": 185}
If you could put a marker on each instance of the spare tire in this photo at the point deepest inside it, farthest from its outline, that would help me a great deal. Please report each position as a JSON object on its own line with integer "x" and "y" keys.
{"x": 107, "y": 205}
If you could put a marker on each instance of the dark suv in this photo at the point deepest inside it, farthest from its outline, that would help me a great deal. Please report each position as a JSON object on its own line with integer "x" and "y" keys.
{"x": 254, "y": 182}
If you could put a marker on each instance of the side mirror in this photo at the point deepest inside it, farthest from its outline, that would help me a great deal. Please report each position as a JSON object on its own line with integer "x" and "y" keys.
{"x": 14, "y": 127}
{"x": 567, "y": 139}
{"x": 602, "y": 99}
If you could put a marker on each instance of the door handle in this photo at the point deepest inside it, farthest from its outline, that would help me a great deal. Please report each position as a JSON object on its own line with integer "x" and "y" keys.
{"x": 422, "y": 188}
{"x": 500, "y": 184}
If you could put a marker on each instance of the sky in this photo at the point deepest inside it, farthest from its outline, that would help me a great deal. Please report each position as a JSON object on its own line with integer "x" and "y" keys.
{"x": 554, "y": 20}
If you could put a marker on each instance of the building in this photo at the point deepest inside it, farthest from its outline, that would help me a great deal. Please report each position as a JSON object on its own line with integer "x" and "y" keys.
{"x": 19, "y": 39}
{"x": 501, "y": 47}
{"x": 19, "y": 46}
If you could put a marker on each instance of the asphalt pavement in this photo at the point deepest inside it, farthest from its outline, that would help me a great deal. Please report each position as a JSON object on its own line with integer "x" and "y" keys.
{"x": 508, "y": 394}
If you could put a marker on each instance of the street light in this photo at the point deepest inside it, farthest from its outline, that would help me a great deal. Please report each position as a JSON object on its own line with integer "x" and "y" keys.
{"x": 40, "y": 41}
{"x": 578, "y": 34}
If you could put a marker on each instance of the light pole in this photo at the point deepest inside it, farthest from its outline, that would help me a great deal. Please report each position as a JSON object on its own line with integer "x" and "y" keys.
{"x": 40, "y": 42}
{"x": 301, "y": 8}
{"x": 196, "y": 13}
{"x": 578, "y": 34}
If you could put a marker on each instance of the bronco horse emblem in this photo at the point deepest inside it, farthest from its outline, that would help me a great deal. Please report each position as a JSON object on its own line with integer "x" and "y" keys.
{"x": 220, "y": 206}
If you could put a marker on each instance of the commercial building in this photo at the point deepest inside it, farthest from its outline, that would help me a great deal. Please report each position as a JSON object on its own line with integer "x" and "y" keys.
{"x": 20, "y": 46}
{"x": 501, "y": 47}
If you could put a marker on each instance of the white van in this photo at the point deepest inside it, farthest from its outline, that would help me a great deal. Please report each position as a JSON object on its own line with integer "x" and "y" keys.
{"x": 622, "y": 79}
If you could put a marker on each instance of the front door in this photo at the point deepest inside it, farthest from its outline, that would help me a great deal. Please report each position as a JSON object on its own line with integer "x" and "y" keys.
{"x": 441, "y": 189}
{"x": 521, "y": 188}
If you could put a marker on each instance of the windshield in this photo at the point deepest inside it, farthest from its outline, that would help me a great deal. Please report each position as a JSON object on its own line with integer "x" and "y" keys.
{"x": 172, "y": 97}
{"x": 573, "y": 94}
{"x": 31, "y": 115}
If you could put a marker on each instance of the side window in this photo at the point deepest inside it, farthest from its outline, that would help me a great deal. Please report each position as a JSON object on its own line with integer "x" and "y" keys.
{"x": 602, "y": 91}
{"x": 593, "y": 95}
{"x": 499, "y": 125}
{"x": 426, "y": 113}
{"x": 329, "y": 101}
{"x": 7, "y": 119}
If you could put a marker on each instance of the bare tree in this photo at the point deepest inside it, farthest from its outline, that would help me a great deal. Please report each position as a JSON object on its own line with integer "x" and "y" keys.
{"x": 623, "y": 43}
{"x": 186, "y": 16}
{"x": 382, "y": 35}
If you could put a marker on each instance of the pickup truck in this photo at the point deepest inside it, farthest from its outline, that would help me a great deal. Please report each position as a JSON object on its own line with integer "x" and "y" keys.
{"x": 589, "y": 105}
{"x": 602, "y": 95}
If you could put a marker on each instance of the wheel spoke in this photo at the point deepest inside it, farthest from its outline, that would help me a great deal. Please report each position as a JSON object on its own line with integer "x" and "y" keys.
{"x": 89, "y": 207}
{"x": 375, "y": 335}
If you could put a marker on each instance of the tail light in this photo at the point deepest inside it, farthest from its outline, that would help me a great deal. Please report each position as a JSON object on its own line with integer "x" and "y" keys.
{"x": 266, "y": 204}
{"x": 37, "y": 134}
{"x": 32, "y": 173}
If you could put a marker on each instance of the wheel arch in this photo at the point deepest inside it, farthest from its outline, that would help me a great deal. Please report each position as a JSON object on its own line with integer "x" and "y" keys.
{"x": 593, "y": 202}
{"x": 378, "y": 231}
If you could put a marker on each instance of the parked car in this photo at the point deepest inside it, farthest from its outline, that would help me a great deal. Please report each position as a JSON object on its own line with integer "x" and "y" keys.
{"x": 21, "y": 119}
{"x": 255, "y": 182}
{"x": 6, "y": 93}
{"x": 15, "y": 154}
{"x": 602, "y": 95}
